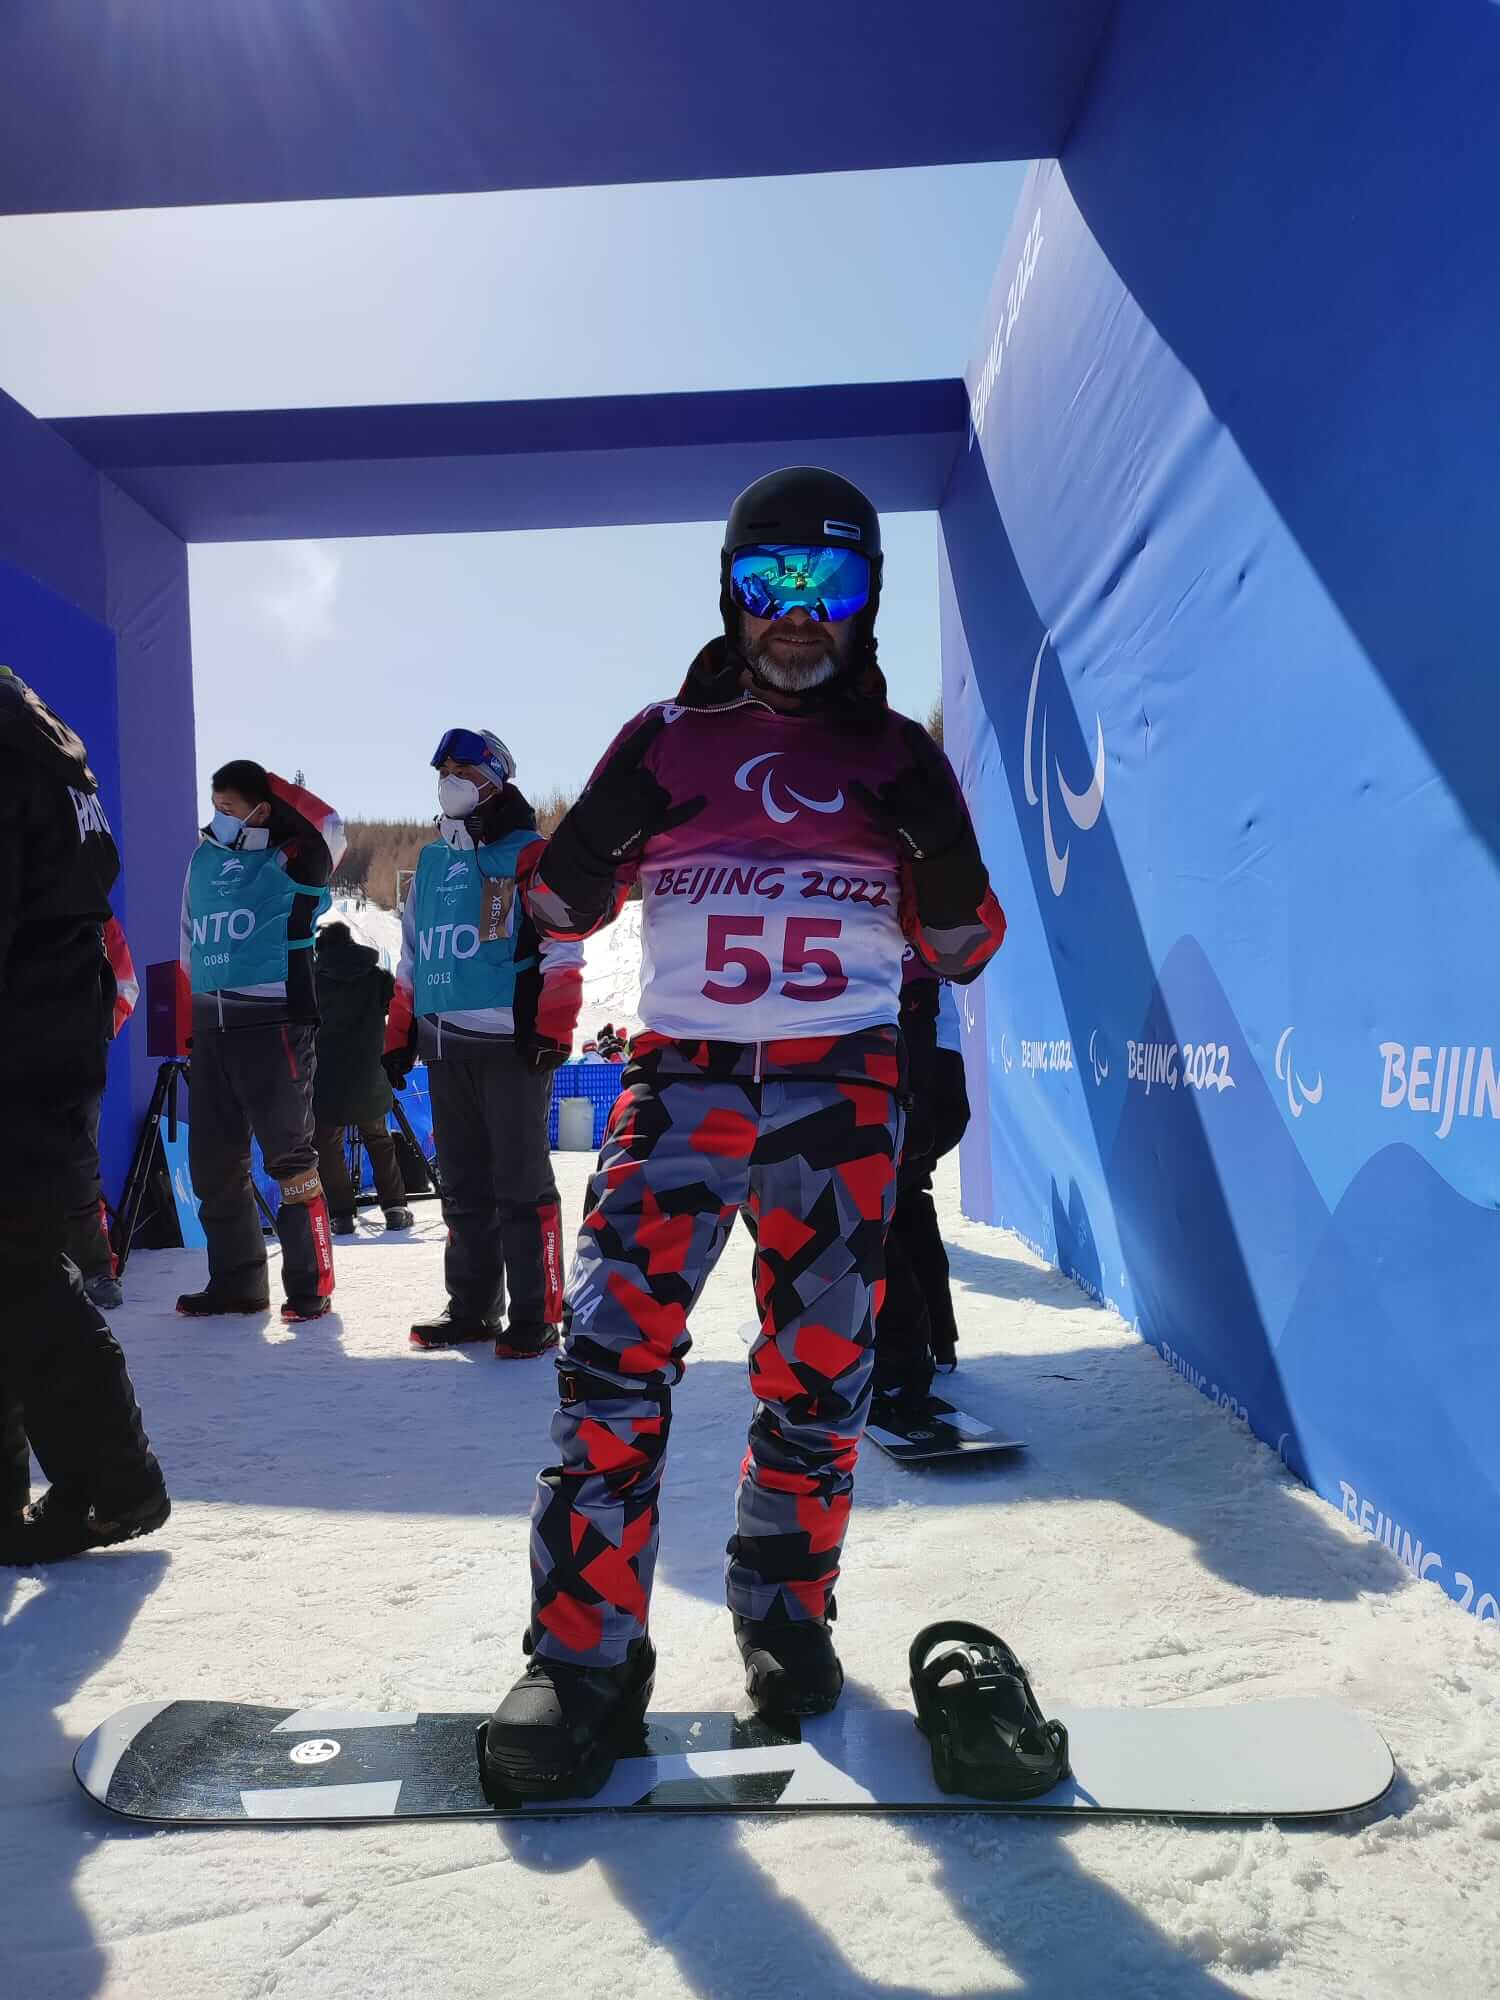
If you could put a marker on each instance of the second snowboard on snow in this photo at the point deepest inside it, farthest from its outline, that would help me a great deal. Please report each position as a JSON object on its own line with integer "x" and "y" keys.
{"x": 917, "y": 1430}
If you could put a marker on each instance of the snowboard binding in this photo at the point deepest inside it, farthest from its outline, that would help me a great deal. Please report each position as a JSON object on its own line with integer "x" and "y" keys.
{"x": 976, "y": 1708}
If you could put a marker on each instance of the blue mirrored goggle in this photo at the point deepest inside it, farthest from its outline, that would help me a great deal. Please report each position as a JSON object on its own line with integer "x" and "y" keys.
{"x": 825, "y": 583}
{"x": 464, "y": 746}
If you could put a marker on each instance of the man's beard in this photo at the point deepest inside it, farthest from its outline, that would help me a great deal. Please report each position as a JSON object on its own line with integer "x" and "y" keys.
{"x": 795, "y": 676}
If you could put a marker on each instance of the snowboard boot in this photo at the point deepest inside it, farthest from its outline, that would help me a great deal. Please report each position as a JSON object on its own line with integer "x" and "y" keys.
{"x": 300, "y": 1309}
{"x": 899, "y": 1407}
{"x": 791, "y": 1667}
{"x": 556, "y": 1735}
{"x": 524, "y": 1340}
{"x": 60, "y": 1525}
{"x": 453, "y": 1329}
{"x": 209, "y": 1304}
{"x": 341, "y": 1225}
{"x": 105, "y": 1292}
{"x": 398, "y": 1218}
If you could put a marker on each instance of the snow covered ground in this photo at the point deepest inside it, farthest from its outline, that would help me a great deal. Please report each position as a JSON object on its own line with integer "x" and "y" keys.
{"x": 612, "y": 977}
{"x": 350, "y": 1527}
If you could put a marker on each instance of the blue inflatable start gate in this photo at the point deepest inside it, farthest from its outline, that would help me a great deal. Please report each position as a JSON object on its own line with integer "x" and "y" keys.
{"x": 1217, "y": 512}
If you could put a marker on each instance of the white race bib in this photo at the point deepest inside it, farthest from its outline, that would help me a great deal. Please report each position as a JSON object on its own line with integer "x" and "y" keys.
{"x": 754, "y": 951}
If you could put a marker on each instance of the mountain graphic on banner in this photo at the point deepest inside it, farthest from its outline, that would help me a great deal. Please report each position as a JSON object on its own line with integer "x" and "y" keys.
{"x": 1389, "y": 1351}
{"x": 1208, "y": 1188}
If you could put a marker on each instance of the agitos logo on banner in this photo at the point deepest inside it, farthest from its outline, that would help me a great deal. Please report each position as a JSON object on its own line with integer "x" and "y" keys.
{"x": 1084, "y": 807}
{"x": 1299, "y": 1092}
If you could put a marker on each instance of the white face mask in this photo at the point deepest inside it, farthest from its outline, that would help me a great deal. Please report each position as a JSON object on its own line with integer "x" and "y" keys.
{"x": 232, "y": 832}
{"x": 457, "y": 797}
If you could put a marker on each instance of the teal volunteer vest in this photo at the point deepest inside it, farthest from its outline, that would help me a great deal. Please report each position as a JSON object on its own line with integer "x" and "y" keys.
{"x": 465, "y": 920}
{"x": 239, "y": 907}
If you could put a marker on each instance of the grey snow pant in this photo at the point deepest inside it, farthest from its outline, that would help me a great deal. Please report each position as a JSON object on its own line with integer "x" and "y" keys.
{"x": 489, "y": 1119}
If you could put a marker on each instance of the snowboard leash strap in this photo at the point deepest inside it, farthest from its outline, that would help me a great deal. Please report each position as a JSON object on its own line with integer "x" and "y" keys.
{"x": 975, "y": 1706}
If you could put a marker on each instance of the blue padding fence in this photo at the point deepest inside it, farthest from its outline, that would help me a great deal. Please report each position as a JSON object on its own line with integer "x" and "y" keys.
{"x": 599, "y": 1082}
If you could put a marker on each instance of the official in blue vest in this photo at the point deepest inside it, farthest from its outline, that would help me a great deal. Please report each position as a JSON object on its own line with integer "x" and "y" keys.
{"x": 255, "y": 887}
{"x": 491, "y": 1009}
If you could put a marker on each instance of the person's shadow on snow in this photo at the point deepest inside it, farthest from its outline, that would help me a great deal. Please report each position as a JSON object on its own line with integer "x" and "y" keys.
{"x": 996, "y": 1276}
{"x": 1100, "y": 1423}
{"x": 697, "y": 1890}
{"x": 60, "y": 1625}
{"x": 1115, "y": 1423}
{"x": 275, "y": 1416}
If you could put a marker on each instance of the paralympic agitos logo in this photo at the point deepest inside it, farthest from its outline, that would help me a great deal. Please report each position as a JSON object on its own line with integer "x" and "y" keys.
{"x": 775, "y": 808}
{"x": 1083, "y": 808}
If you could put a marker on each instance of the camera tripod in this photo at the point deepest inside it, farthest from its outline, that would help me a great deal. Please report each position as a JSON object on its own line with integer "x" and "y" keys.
{"x": 163, "y": 1106}
{"x": 356, "y": 1146}
{"x": 143, "y": 1161}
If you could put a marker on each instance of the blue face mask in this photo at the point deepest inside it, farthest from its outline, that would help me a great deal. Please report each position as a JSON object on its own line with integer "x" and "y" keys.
{"x": 232, "y": 832}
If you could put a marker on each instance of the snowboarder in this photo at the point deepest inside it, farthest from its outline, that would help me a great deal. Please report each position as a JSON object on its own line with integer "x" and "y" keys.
{"x": 349, "y": 1085}
{"x": 916, "y": 1334}
{"x": 790, "y": 834}
{"x": 63, "y": 1378}
{"x": 254, "y": 890}
{"x": 491, "y": 1009}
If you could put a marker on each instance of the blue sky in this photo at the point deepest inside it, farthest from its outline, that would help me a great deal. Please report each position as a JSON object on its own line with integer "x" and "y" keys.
{"x": 348, "y": 658}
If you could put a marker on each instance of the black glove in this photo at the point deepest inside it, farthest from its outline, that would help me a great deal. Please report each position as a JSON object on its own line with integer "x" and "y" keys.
{"x": 624, "y": 805}
{"x": 921, "y": 804}
{"x": 504, "y": 813}
{"x": 397, "y": 1064}
{"x": 541, "y": 1055}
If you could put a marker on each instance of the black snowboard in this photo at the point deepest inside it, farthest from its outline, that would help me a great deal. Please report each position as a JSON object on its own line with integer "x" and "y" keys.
{"x": 223, "y": 1763}
{"x": 916, "y": 1431}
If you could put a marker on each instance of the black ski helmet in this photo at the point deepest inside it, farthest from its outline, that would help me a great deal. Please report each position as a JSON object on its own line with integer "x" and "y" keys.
{"x": 804, "y": 504}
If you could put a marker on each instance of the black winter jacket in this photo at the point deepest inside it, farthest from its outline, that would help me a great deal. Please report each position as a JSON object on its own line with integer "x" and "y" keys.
{"x": 350, "y": 1087}
{"x": 58, "y": 862}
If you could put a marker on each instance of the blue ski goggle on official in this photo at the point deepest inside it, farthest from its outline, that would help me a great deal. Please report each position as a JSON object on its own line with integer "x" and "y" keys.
{"x": 464, "y": 746}
{"x": 826, "y": 583}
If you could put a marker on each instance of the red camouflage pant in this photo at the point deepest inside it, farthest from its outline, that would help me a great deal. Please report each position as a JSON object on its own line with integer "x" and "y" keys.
{"x": 692, "y": 1140}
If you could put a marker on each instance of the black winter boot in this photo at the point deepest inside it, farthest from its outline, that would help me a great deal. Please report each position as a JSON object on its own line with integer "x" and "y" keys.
{"x": 300, "y": 1309}
{"x": 791, "y": 1667}
{"x": 59, "y": 1525}
{"x": 205, "y": 1305}
{"x": 556, "y": 1735}
{"x": 523, "y": 1340}
{"x": 452, "y": 1328}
